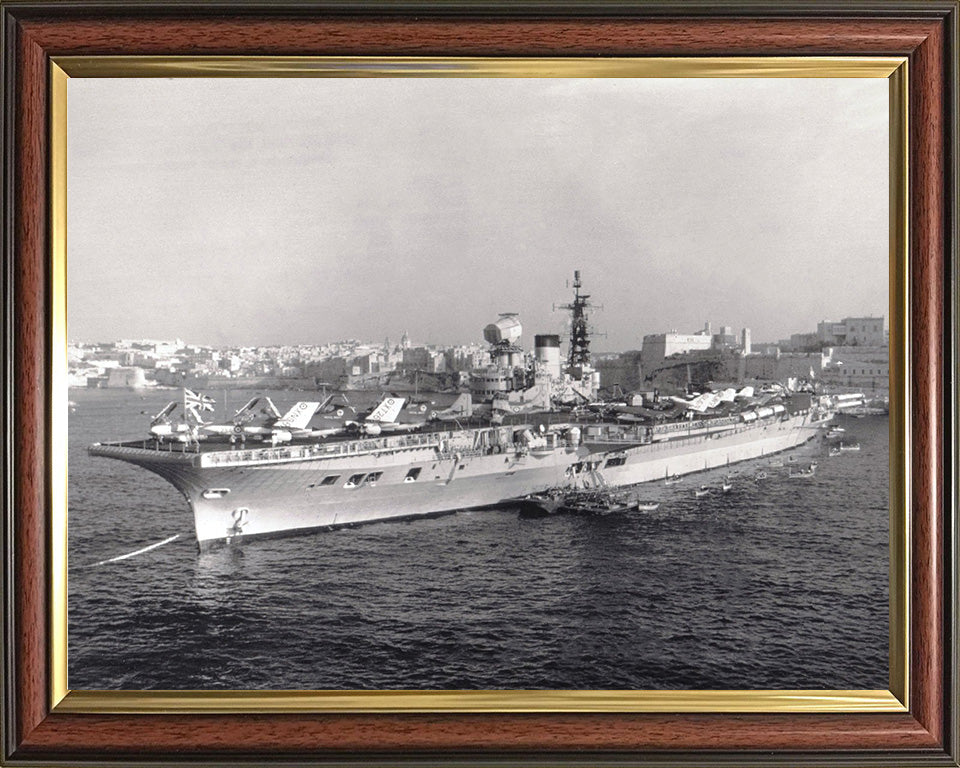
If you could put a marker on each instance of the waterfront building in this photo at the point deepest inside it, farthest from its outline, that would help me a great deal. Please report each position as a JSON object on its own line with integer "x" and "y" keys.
{"x": 661, "y": 347}
{"x": 853, "y": 331}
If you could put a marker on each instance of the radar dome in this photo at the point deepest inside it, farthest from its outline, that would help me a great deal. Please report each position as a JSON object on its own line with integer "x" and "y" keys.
{"x": 506, "y": 329}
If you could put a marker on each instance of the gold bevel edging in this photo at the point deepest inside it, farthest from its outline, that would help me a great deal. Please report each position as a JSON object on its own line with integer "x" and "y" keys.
{"x": 58, "y": 384}
{"x": 432, "y": 66}
{"x": 386, "y": 702}
{"x": 900, "y": 433}
{"x": 894, "y": 700}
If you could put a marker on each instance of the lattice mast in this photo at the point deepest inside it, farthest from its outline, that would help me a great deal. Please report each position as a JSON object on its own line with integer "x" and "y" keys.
{"x": 579, "y": 354}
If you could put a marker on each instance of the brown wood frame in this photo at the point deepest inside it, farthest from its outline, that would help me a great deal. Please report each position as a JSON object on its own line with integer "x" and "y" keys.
{"x": 926, "y": 32}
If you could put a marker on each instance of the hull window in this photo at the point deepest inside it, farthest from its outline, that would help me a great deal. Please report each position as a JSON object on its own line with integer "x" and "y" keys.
{"x": 412, "y": 475}
{"x": 354, "y": 481}
{"x": 328, "y": 480}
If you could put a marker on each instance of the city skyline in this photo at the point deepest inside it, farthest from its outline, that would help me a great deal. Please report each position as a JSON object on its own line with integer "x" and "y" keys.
{"x": 270, "y": 213}
{"x": 396, "y": 341}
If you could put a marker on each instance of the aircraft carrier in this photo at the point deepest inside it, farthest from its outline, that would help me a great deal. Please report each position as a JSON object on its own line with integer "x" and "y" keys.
{"x": 297, "y": 479}
{"x": 272, "y": 490}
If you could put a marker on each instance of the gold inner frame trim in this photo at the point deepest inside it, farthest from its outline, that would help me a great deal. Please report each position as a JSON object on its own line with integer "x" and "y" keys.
{"x": 387, "y": 702}
{"x": 720, "y": 701}
{"x": 59, "y": 414}
{"x": 900, "y": 432}
{"x": 434, "y": 66}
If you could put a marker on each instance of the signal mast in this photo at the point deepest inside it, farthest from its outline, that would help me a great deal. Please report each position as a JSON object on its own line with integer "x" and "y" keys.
{"x": 579, "y": 354}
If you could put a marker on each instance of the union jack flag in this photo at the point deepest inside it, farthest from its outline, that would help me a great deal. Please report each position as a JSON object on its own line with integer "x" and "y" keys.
{"x": 195, "y": 402}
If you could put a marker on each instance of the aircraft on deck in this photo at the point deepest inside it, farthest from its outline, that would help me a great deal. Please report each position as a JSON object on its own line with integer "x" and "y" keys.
{"x": 381, "y": 419}
{"x": 461, "y": 408}
{"x": 274, "y": 426}
{"x": 163, "y": 428}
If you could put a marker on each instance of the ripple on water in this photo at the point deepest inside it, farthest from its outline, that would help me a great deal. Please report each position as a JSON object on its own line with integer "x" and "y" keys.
{"x": 781, "y": 584}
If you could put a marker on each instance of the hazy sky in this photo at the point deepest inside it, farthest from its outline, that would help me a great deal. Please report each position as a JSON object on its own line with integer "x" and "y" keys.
{"x": 254, "y": 211}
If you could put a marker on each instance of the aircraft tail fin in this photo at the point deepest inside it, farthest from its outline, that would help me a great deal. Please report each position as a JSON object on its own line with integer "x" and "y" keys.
{"x": 462, "y": 406}
{"x": 388, "y": 410}
{"x": 298, "y": 416}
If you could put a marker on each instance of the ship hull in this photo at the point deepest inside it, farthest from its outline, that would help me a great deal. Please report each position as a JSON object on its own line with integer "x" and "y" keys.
{"x": 274, "y": 496}
{"x": 237, "y": 495}
{"x": 683, "y": 456}
{"x": 280, "y": 500}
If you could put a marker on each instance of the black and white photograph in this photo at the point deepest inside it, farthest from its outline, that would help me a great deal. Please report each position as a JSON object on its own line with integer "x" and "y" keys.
{"x": 469, "y": 383}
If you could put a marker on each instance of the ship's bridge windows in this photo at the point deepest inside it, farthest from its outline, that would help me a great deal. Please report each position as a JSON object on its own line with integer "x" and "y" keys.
{"x": 412, "y": 475}
{"x": 373, "y": 477}
{"x": 354, "y": 481}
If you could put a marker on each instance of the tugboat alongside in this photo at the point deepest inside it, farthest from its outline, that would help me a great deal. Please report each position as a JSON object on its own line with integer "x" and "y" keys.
{"x": 298, "y": 479}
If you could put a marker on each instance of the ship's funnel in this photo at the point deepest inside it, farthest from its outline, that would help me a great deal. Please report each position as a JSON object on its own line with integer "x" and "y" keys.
{"x": 546, "y": 349}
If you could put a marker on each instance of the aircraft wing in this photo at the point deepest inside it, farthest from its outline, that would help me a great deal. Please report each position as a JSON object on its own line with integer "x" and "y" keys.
{"x": 246, "y": 408}
{"x": 167, "y": 410}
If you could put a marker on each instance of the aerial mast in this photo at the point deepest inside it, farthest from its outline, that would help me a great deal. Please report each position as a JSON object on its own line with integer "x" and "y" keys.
{"x": 579, "y": 354}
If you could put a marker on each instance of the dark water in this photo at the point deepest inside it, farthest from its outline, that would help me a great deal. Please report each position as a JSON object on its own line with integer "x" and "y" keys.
{"x": 781, "y": 584}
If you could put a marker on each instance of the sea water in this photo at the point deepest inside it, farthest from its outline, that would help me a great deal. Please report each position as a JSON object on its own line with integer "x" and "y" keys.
{"x": 778, "y": 583}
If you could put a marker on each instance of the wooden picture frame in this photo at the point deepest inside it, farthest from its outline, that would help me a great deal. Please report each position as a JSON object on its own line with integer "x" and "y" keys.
{"x": 36, "y": 731}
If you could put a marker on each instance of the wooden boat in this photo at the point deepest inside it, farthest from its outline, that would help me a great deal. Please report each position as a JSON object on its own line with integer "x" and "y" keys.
{"x": 597, "y": 502}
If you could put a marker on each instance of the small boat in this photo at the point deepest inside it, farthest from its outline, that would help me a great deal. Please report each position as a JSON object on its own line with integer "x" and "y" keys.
{"x": 726, "y": 487}
{"x": 760, "y": 476}
{"x": 673, "y": 480}
{"x": 776, "y": 462}
{"x": 835, "y": 432}
{"x": 701, "y": 492}
{"x": 850, "y": 447}
{"x": 597, "y": 503}
{"x": 540, "y": 504}
{"x": 809, "y": 472}
{"x": 648, "y": 506}
{"x": 834, "y": 452}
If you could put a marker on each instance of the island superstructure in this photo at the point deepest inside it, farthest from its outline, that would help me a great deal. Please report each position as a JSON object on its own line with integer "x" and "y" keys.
{"x": 523, "y": 429}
